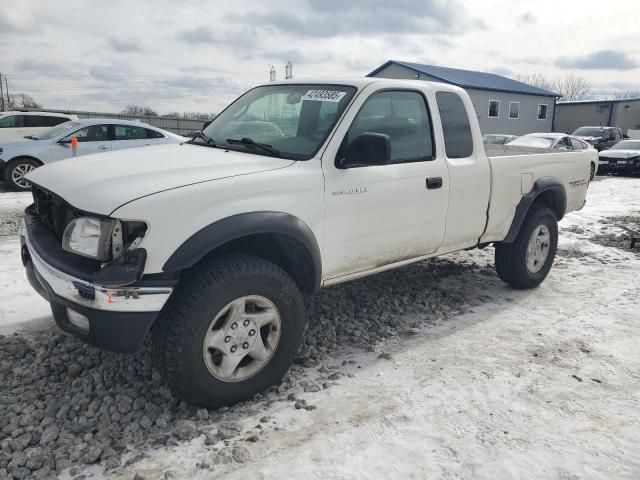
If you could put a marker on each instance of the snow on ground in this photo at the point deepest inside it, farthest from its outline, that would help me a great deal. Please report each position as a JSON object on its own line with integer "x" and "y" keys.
{"x": 523, "y": 384}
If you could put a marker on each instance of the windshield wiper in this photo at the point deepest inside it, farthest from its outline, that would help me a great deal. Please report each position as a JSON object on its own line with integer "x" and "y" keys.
{"x": 248, "y": 141}
{"x": 30, "y": 137}
{"x": 209, "y": 141}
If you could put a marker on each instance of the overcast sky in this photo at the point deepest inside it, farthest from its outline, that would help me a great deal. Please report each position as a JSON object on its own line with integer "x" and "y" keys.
{"x": 194, "y": 55}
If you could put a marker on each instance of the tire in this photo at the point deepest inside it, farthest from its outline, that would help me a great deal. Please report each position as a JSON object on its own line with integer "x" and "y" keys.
{"x": 592, "y": 171}
{"x": 15, "y": 171}
{"x": 204, "y": 308}
{"x": 512, "y": 263}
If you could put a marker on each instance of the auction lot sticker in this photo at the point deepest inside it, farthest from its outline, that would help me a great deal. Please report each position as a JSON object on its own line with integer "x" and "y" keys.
{"x": 324, "y": 95}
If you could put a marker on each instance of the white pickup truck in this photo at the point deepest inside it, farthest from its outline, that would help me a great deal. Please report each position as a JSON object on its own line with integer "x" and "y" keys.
{"x": 293, "y": 187}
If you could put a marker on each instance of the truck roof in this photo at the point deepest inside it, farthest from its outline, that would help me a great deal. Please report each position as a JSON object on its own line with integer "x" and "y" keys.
{"x": 361, "y": 82}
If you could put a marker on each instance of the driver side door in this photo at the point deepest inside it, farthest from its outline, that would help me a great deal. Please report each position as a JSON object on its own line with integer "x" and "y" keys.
{"x": 91, "y": 139}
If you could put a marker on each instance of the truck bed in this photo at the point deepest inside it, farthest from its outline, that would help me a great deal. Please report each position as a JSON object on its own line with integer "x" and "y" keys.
{"x": 514, "y": 170}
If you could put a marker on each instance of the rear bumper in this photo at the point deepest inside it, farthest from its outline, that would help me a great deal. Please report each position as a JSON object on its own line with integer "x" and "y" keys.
{"x": 111, "y": 318}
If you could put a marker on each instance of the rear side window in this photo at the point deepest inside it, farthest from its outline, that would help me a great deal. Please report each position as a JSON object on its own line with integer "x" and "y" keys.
{"x": 577, "y": 144}
{"x": 458, "y": 141}
{"x": 153, "y": 134}
{"x": 43, "y": 121}
{"x": 12, "y": 121}
{"x": 130, "y": 132}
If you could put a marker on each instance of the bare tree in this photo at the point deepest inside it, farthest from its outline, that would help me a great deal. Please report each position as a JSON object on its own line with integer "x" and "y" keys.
{"x": 22, "y": 100}
{"x": 625, "y": 95}
{"x": 142, "y": 110}
{"x": 571, "y": 87}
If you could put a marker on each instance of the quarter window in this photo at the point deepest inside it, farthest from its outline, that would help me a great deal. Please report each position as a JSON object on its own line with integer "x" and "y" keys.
{"x": 542, "y": 111}
{"x": 404, "y": 117}
{"x": 458, "y": 141}
{"x": 577, "y": 144}
{"x": 514, "y": 109}
{"x": 494, "y": 108}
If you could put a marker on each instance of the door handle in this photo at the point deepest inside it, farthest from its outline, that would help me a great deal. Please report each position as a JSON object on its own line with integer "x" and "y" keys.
{"x": 434, "y": 182}
{"x": 104, "y": 147}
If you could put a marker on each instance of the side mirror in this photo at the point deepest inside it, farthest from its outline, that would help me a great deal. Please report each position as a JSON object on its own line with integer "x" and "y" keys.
{"x": 368, "y": 148}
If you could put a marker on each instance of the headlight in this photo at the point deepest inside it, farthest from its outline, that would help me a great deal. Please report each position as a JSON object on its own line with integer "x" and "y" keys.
{"x": 89, "y": 237}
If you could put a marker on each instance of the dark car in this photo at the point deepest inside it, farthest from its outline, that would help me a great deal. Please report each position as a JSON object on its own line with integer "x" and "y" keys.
{"x": 600, "y": 137}
{"x": 622, "y": 158}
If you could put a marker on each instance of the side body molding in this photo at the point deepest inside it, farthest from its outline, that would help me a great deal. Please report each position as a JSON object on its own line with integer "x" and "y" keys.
{"x": 237, "y": 226}
{"x": 555, "y": 195}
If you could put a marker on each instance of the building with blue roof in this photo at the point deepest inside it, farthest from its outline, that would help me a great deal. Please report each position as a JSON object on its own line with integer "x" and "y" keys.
{"x": 502, "y": 105}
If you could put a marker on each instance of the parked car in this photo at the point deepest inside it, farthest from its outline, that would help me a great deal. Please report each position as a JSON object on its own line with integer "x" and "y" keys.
{"x": 497, "y": 138}
{"x": 556, "y": 141}
{"x": 213, "y": 242}
{"x": 21, "y": 124}
{"x": 623, "y": 157}
{"x": 600, "y": 137}
{"x": 19, "y": 157}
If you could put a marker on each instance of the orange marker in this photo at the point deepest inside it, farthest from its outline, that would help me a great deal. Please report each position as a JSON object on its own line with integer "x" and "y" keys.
{"x": 74, "y": 145}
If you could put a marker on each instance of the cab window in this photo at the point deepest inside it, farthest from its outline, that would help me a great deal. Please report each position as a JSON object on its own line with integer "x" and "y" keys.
{"x": 458, "y": 140}
{"x": 404, "y": 117}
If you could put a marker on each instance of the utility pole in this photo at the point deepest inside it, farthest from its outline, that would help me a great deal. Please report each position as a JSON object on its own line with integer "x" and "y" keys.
{"x": 7, "y": 89}
{"x": 1, "y": 95}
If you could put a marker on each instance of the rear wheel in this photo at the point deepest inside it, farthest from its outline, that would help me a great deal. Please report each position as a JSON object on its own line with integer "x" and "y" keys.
{"x": 16, "y": 170}
{"x": 526, "y": 262}
{"x": 230, "y": 331}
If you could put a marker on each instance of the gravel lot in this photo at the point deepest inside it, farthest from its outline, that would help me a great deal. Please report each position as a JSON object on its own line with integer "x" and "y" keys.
{"x": 391, "y": 363}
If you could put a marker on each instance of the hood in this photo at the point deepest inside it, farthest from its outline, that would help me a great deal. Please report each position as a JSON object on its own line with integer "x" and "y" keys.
{"x": 620, "y": 153}
{"x": 103, "y": 182}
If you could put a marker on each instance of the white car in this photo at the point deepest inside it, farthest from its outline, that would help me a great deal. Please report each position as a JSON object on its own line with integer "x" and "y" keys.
{"x": 20, "y": 124}
{"x": 96, "y": 135}
{"x": 555, "y": 141}
{"x": 213, "y": 242}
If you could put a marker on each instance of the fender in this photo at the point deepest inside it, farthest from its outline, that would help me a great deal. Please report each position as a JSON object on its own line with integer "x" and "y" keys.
{"x": 559, "y": 206}
{"x": 237, "y": 226}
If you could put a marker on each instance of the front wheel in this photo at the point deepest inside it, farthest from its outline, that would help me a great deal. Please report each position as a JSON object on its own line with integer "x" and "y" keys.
{"x": 231, "y": 330}
{"x": 526, "y": 262}
{"x": 15, "y": 172}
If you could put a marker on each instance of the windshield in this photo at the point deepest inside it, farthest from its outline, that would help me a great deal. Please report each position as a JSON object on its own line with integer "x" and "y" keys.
{"x": 627, "y": 145}
{"x": 58, "y": 130}
{"x": 531, "y": 141}
{"x": 495, "y": 139}
{"x": 590, "y": 132}
{"x": 293, "y": 119}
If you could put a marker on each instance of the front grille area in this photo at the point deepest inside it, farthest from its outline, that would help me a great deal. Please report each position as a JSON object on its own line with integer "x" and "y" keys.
{"x": 52, "y": 210}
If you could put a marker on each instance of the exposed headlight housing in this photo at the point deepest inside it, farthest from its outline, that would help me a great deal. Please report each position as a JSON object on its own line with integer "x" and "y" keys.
{"x": 89, "y": 237}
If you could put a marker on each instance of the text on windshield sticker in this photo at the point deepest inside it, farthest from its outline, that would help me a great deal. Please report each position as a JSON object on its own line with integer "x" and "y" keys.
{"x": 324, "y": 95}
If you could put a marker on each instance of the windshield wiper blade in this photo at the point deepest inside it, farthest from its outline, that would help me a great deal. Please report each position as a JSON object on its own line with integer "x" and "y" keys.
{"x": 209, "y": 141}
{"x": 249, "y": 141}
{"x": 30, "y": 137}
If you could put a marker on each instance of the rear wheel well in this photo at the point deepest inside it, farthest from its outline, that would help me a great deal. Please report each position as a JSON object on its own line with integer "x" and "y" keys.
{"x": 552, "y": 199}
{"x": 288, "y": 253}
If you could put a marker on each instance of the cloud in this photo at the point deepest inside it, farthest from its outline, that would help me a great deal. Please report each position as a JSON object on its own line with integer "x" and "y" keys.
{"x": 17, "y": 18}
{"x": 528, "y": 18}
{"x": 125, "y": 45}
{"x": 43, "y": 67}
{"x": 327, "y": 18}
{"x": 602, "y": 60}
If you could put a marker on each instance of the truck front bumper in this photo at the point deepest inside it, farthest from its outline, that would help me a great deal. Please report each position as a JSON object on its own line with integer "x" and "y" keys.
{"x": 115, "y": 319}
